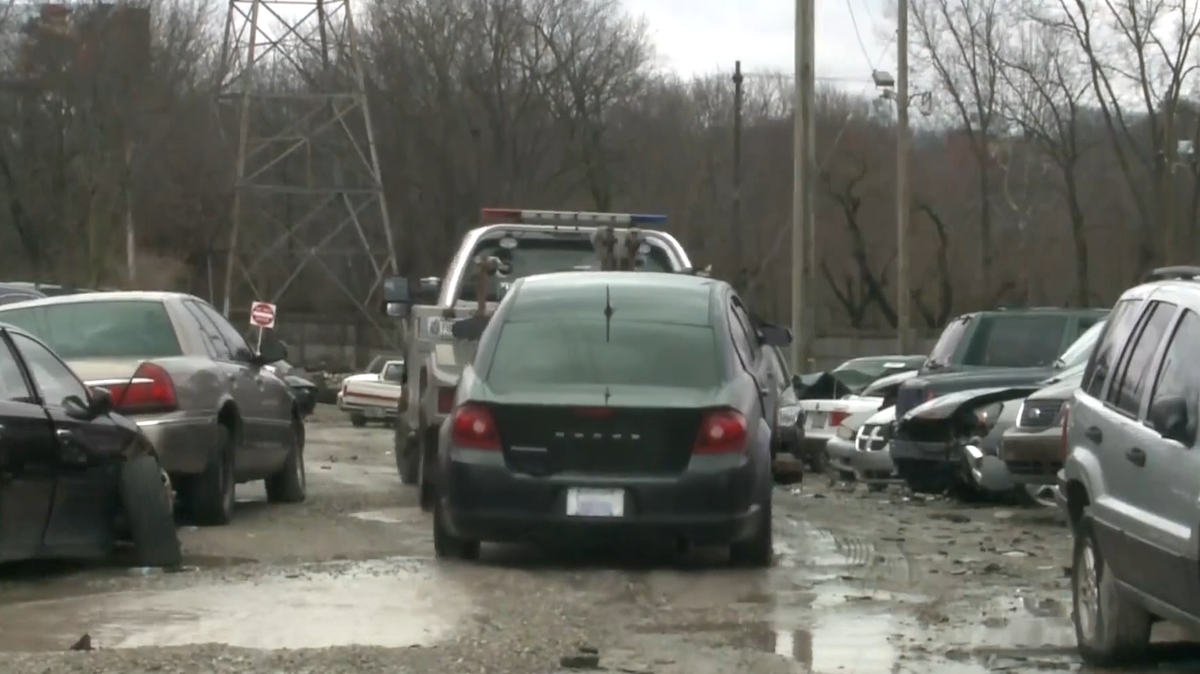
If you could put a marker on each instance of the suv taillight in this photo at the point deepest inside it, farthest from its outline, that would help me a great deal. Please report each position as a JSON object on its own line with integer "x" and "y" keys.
{"x": 472, "y": 427}
{"x": 1066, "y": 416}
{"x": 722, "y": 431}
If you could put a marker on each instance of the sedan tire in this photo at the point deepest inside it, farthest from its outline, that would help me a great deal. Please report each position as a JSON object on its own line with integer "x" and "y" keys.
{"x": 357, "y": 420}
{"x": 149, "y": 510}
{"x": 446, "y": 544}
{"x": 758, "y": 551}
{"x": 211, "y": 494}
{"x": 290, "y": 484}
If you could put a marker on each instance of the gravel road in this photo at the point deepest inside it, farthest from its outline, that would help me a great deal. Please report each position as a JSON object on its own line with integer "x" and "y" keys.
{"x": 864, "y": 583}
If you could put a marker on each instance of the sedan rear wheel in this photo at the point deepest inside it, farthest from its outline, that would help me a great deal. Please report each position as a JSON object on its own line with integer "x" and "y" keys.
{"x": 758, "y": 551}
{"x": 446, "y": 544}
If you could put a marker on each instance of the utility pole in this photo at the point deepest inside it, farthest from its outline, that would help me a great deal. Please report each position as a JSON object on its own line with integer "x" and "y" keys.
{"x": 803, "y": 167}
{"x": 738, "y": 252}
{"x": 903, "y": 299}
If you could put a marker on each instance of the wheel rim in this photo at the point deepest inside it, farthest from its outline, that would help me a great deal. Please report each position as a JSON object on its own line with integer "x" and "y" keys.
{"x": 301, "y": 475}
{"x": 1042, "y": 494}
{"x": 1087, "y": 592}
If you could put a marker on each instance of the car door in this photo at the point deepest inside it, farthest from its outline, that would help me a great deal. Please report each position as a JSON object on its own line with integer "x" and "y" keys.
{"x": 239, "y": 383}
{"x": 1125, "y": 437}
{"x": 1168, "y": 488}
{"x": 28, "y": 462}
{"x": 85, "y": 495}
{"x": 270, "y": 399}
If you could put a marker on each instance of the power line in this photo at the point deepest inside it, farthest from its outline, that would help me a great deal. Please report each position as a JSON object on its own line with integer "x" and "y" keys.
{"x": 858, "y": 35}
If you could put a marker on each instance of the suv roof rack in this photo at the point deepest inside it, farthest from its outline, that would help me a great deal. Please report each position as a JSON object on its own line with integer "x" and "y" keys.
{"x": 1179, "y": 272}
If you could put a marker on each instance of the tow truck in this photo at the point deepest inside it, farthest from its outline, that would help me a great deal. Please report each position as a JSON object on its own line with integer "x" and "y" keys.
{"x": 510, "y": 244}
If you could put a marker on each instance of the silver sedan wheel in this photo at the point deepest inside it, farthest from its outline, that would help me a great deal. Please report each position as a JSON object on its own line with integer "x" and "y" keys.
{"x": 1087, "y": 592}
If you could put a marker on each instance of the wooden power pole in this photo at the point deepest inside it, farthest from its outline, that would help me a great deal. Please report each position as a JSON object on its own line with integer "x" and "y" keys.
{"x": 903, "y": 295}
{"x": 804, "y": 176}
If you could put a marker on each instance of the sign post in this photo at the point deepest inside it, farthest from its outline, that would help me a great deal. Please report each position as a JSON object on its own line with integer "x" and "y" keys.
{"x": 262, "y": 316}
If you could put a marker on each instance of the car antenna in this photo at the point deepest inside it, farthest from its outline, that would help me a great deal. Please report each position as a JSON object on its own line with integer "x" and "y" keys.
{"x": 125, "y": 388}
{"x": 608, "y": 314}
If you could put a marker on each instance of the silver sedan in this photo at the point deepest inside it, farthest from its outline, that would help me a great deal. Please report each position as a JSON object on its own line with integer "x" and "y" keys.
{"x": 215, "y": 414}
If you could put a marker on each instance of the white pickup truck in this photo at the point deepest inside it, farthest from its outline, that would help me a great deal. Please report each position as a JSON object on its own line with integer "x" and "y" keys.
{"x": 373, "y": 395}
{"x": 509, "y": 244}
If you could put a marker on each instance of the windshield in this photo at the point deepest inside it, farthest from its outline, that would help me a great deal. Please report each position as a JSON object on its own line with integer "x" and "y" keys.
{"x": 1081, "y": 350}
{"x": 100, "y": 329}
{"x": 544, "y": 256}
{"x": 394, "y": 372}
{"x": 577, "y": 350}
{"x": 859, "y": 372}
{"x": 1016, "y": 340}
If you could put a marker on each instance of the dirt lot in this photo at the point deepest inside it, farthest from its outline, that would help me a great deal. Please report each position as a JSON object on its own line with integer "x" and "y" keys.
{"x": 346, "y": 582}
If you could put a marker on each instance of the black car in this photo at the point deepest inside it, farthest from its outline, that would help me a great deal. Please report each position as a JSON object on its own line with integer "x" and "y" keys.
{"x": 613, "y": 405}
{"x": 74, "y": 477}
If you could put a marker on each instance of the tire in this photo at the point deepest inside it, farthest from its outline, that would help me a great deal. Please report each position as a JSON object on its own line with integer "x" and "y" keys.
{"x": 408, "y": 458}
{"x": 357, "y": 420}
{"x": 427, "y": 439}
{"x": 1035, "y": 496}
{"x": 290, "y": 484}
{"x": 211, "y": 494}
{"x": 1110, "y": 627}
{"x": 758, "y": 551}
{"x": 448, "y": 546}
{"x": 149, "y": 511}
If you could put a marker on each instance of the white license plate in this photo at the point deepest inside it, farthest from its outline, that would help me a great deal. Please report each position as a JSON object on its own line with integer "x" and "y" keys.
{"x": 816, "y": 420}
{"x": 582, "y": 502}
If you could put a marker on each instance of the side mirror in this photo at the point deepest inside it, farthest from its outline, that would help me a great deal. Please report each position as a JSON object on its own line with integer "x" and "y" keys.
{"x": 271, "y": 351}
{"x": 428, "y": 289}
{"x": 395, "y": 295}
{"x": 469, "y": 329}
{"x": 99, "y": 403}
{"x": 1169, "y": 416}
{"x": 397, "y": 310}
{"x": 774, "y": 335}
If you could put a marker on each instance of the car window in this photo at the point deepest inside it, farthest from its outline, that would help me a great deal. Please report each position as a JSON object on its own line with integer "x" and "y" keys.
{"x": 740, "y": 341}
{"x": 12, "y": 383}
{"x": 1126, "y": 391}
{"x": 1116, "y": 331}
{"x": 54, "y": 380}
{"x": 393, "y": 372}
{"x": 217, "y": 348}
{"x": 584, "y": 350}
{"x": 1029, "y": 340}
{"x": 235, "y": 341}
{"x": 747, "y": 326}
{"x": 1178, "y": 376}
{"x": 100, "y": 328}
{"x": 1078, "y": 352}
{"x": 947, "y": 344}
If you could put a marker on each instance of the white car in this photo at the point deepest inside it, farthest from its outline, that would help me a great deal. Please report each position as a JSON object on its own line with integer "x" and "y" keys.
{"x": 373, "y": 395}
{"x": 824, "y": 418}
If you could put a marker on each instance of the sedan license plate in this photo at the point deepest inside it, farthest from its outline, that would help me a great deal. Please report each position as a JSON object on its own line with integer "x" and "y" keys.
{"x": 583, "y": 502}
{"x": 816, "y": 420}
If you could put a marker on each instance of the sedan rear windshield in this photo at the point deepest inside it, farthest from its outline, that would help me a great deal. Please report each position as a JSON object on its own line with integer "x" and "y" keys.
{"x": 108, "y": 329}
{"x": 582, "y": 350}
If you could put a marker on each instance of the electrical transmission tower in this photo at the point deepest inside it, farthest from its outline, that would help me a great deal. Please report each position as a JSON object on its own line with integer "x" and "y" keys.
{"x": 308, "y": 191}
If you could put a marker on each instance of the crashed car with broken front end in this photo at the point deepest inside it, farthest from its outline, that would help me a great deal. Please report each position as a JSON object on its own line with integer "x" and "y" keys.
{"x": 958, "y": 436}
{"x": 75, "y": 478}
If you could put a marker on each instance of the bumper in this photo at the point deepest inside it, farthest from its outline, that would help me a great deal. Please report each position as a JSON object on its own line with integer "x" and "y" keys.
{"x": 840, "y": 453}
{"x": 1033, "y": 457}
{"x": 184, "y": 441}
{"x": 710, "y": 505}
{"x": 873, "y": 467}
{"x": 368, "y": 411}
{"x": 924, "y": 466}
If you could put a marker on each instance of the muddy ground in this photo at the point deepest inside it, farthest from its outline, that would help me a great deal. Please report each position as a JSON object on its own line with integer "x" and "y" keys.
{"x": 865, "y": 583}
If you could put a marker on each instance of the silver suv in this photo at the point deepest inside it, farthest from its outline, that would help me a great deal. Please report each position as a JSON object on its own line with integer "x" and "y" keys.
{"x": 1132, "y": 471}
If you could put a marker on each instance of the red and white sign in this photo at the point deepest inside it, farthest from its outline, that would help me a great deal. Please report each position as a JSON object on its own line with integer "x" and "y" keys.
{"x": 262, "y": 315}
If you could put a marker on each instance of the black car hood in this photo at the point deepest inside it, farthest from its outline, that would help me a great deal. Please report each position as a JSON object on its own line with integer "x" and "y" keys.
{"x": 951, "y": 404}
{"x": 983, "y": 378}
{"x": 298, "y": 382}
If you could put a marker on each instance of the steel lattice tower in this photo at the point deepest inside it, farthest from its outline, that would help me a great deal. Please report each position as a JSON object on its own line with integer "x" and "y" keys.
{"x": 308, "y": 186}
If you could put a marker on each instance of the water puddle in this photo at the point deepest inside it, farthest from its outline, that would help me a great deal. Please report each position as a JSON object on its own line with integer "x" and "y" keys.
{"x": 390, "y": 515}
{"x": 372, "y": 605}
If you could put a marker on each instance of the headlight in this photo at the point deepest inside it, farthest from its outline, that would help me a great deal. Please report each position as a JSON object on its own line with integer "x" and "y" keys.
{"x": 847, "y": 433}
{"x": 988, "y": 415}
{"x": 788, "y": 415}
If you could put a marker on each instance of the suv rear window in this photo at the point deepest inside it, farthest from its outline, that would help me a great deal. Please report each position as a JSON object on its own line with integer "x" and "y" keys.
{"x": 1017, "y": 340}
{"x": 100, "y": 329}
{"x": 584, "y": 350}
{"x": 544, "y": 256}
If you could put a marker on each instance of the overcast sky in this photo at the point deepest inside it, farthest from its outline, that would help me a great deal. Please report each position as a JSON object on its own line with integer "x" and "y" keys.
{"x": 702, "y": 36}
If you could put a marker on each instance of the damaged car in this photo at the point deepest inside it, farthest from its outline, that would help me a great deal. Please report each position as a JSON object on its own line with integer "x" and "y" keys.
{"x": 75, "y": 477}
{"x": 840, "y": 450}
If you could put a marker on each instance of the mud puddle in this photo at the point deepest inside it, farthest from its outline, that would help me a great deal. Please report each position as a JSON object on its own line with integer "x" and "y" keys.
{"x": 373, "y": 604}
{"x": 390, "y": 515}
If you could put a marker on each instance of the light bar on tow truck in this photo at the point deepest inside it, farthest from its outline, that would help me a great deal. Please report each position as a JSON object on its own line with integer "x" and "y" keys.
{"x": 518, "y": 216}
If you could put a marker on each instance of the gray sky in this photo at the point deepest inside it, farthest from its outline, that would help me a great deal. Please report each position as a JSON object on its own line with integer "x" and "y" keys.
{"x": 702, "y": 36}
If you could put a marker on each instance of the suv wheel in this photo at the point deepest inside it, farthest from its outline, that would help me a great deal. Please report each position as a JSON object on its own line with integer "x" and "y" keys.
{"x": 1110, "y": 627}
